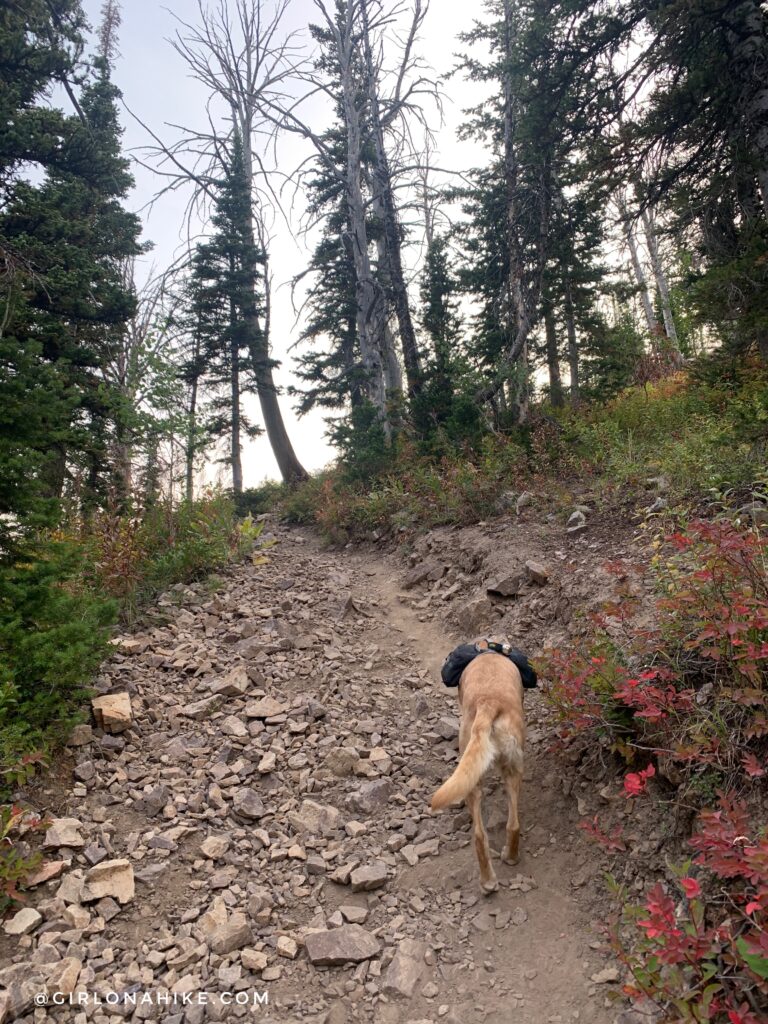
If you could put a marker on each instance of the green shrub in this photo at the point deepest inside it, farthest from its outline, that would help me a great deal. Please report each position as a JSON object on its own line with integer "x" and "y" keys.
{"x": 53, "y": 635}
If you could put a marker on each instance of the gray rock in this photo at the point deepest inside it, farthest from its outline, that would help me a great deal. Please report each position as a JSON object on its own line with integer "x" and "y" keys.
{"x": 577, "y": 523}
{"x": 110, "y": 878}
{"x": 315, "y": 818}
{"x": 80, "y": 736}
{"x": 447, "y": 727}
{"x": 265, "y": 707}
{"x": 369, "y": 877}
{"x": 506, "y": 586}
{"x": 341, "y": 761}
{"x": 474, "y": 616}
{"x": 248, "y": 804}
{"x": 234, "y": 933}
{"x": 154, "y": 801}
{"x": 406, "y": 969}
{"x": 234, "y": 684}
{"x": 537, "y": 572}
{"x": 64, "y": 832}
{"x": 418, "y": 575}
{"x": 23, "y": 922}
{"x": 349, "y": 944}
{"x": 371, "y": 797}
{"x": 200, "y": 709}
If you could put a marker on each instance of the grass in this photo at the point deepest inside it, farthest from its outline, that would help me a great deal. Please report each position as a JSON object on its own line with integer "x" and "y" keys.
{"x": 701, "y": 435}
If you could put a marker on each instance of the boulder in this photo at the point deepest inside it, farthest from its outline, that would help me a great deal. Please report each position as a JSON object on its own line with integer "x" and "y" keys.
{"x": 200, "y": 709}
{"x": 505, "y": 586}
{"x": 265, "y": 707}
{"x": 370, "y": 797}
{"x": 537, "y": 573}
{"x": 110, "y": 878}
{"x": 112, "y": 712}
{"x": 234, "y": 684}
{"x": 349, "y": 944}
{"x": 248, "y": 804}
{"x": 23, "y": 922}
{"x": 341, "y": 761}
{"x": 315, "y": 818}
{"x": 64, "y": 832}
{"x": 406, "y": 969}
{"x": 474, "y": 616}
{"x": 369, "y": 877}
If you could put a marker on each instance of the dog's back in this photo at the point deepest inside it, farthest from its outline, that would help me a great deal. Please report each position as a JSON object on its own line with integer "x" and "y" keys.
{"x": 493, "y": 727}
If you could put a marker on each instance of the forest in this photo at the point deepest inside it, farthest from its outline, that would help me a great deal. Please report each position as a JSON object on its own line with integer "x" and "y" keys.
{"x": 583, "y": 311}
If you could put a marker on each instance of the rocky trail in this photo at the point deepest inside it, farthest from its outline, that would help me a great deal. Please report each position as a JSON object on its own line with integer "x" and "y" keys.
{"x": 262, "y": 829}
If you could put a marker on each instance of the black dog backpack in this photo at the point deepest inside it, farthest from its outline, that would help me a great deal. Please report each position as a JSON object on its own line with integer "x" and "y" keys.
{"x": 461, "y": 656}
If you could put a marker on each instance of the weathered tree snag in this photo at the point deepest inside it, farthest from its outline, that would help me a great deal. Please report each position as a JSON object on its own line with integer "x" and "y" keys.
{"x": 661, "y": 283}
{"x": 382, "y": 187}
{"x": 553, "y": 359}
{"x": 573, "y": 343}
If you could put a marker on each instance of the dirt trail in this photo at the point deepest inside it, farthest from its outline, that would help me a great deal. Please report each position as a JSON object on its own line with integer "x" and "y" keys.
{"x": 245, "y": 824}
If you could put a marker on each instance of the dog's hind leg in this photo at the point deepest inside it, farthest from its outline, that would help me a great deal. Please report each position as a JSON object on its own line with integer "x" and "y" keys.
{"x": 488, "y": 881}
{"x": 512, "y": 781}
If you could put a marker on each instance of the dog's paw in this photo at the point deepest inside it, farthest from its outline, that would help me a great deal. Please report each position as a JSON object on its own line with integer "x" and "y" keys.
{"x": 489, "y": 887}
{"x": 512, "y": 861}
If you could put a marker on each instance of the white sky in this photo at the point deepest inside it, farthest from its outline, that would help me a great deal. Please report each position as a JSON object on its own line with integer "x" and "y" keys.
{"x": 156, "y": 87}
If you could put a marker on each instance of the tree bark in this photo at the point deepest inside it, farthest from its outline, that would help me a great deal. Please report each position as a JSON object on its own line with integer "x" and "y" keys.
{"x": 573, "y": 343}
{"x": 553, "y": 359}
{"x": 661, "y": 283}
{"x": 291, "y": 470}
{"x": 521, "y": 391}
{"x": 393, "y": 375}
{"x": 234, "y": 381}
{"x": 520, "y": 297}
{"x": 371, "y": 314}
{"x": 640, "y": 278}
{"x": 382, "y": 186}
{"x": 189, "y": 451}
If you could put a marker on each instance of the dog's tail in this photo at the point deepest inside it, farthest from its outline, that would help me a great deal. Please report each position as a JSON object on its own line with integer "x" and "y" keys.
{"x": 474, "y": 763}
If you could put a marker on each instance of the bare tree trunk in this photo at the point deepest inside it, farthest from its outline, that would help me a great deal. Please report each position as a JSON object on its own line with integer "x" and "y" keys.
{"x": 521, "y": 390}
{"x": 382, "y": 183}
{"x": 642, "y": 282}
{"x": 189, "y": 452}
{"x": 553, "y": 359}
{"x": 661, "y": 282}
{"x": 393, "y": 376}
{"x": 234, "y": 381}
{"x": 573, "y": 343}
{"x": 371, "y": 314}
{"x": 291, "y": 470}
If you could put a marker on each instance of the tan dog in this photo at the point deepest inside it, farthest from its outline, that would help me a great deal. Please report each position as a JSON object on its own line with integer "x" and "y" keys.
{"x": 492, "y": 732}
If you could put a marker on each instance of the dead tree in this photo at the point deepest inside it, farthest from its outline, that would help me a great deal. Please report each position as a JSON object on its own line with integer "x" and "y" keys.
{"x": 239, "y": 53}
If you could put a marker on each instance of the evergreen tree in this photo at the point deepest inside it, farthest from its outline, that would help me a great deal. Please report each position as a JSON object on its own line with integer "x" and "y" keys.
{"x": 226, "y": 311}
{"x": 63, "y": 241}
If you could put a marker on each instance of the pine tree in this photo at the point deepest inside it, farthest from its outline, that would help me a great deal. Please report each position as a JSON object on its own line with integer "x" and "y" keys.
{"x": 225, "y": 311}
{"x": 63, "y": 241}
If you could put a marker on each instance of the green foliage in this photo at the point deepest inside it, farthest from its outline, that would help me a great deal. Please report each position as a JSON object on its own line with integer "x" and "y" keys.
{"x": 364, "y": 450}
{"x": 53, "y": 634}
{"x": 133, "y": 556}
{"x": 697, "y": 435}
{"x": 16, "y": 862}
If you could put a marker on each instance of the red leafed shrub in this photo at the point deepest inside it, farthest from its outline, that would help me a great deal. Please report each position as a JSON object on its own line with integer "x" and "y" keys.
{"x": 705, "y": 957}
{"x": 691, "y": 692}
